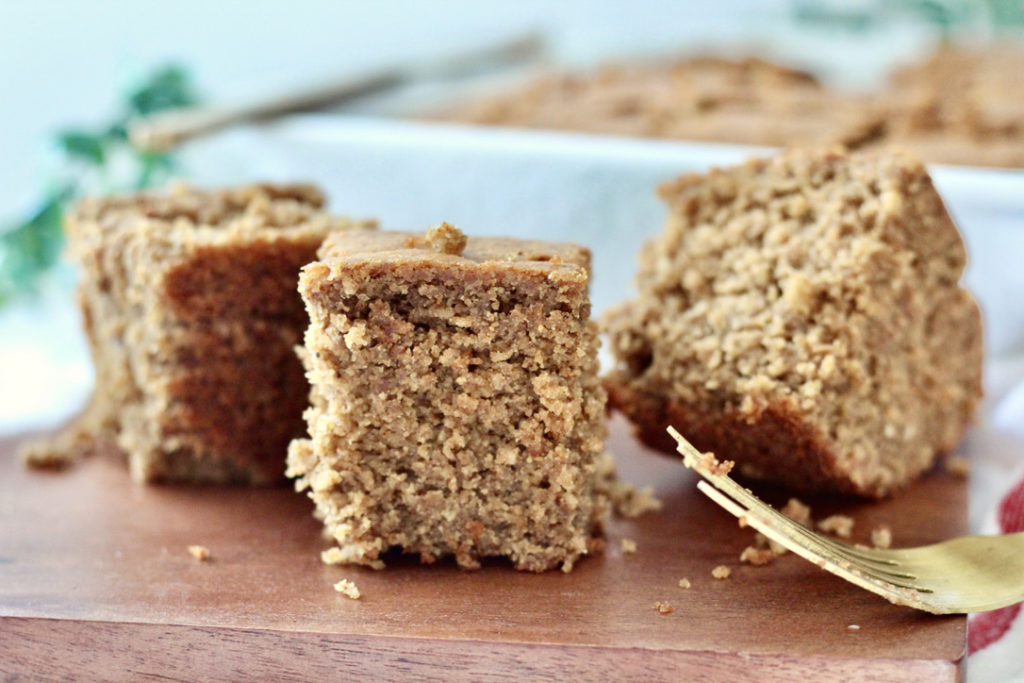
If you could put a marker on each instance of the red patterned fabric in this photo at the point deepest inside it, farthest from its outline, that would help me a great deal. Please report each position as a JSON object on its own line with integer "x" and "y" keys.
{"x": 988, "y": 627}
{"x": 1011, "y": 510}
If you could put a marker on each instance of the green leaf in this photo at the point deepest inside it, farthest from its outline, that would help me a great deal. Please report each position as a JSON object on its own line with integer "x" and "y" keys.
{"x": 152, "y": 165}
{"x": 168, "y": 88}
{"x": 80, "y": 145}
{"x": 29, "y": 248}
{"x": 117, "y": 131}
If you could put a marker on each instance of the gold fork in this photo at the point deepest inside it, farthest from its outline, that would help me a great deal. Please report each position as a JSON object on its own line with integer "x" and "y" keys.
{"x": 966, "y": 574}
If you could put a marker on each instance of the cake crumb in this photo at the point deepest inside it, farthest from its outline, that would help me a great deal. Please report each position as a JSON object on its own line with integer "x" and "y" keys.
{"x": 797, "y": 511}
{"x": 881, "y": 536}
{"x": 840, "y": 525}
{"x": 348, "y": 589}
{"x": 762, "y": 541}
{"x": 628, "y": 546}
{"x": 958, "y": 466}
{"x": 684, "y": 584}
{"x": 721, "y": 572}
{"x": 42, "y": 455}
{"x": 630, "y": 502}
{"x": 446, "y": 238}
{"x": 61, "y": 451}
{"x": 627, "y": 500}
{"x": 335, "y": 555}
{"x": 663, "y": 607}
{"x": 709, "y": 464}
{"x": 200, "y": 552}
{"x": 757, "y": 556}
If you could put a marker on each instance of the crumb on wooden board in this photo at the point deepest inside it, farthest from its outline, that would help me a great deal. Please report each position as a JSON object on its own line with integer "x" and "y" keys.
{"x": 757, "y": 556}
{"x": 200, "y": 552}
{"x": 663, "y": 607}
{"x": 881, "y": 536}
{"x": 839, "y": 525}
{"x": 348, "y": 589}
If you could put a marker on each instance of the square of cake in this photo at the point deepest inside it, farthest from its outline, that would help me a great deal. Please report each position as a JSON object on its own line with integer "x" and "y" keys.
{"x": 803, "y": 316}
{"x": 456, "y": 408}
{"x": 190, "y": 307}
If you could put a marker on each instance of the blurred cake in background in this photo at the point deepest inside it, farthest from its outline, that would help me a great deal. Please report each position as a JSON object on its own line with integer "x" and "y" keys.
{"x": 958, "y": 106}
{"x": 748, "y": 101}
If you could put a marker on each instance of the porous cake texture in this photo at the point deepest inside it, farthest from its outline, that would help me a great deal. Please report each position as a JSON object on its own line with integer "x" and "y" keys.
{"x": 802, "y": 316}
{"x": 456, "y": 408}
{"x": 190, "y": 308}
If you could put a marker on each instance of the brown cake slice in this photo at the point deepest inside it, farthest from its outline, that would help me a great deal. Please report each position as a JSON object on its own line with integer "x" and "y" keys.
{"x": 456, "y": 408}
{"x": 803, "y": 316}
{"x": 191, "y": 312}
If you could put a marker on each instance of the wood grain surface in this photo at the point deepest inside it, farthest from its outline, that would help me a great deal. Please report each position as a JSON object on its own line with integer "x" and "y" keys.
{"x": 96, "y": 582}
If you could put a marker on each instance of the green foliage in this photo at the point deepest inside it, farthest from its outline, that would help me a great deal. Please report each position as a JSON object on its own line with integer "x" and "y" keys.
{"x": 168, "y": 88}
{"x": 85, "y": 146}
{"x": 29, "y": 248}
{"x": 946, "y": 16}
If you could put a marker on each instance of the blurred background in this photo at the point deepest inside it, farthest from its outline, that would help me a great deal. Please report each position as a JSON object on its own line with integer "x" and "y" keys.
{"x": 65, "y": 63}
{"x": 74, "y": 76}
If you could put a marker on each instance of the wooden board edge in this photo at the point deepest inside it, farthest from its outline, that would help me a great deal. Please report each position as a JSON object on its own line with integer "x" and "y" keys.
{"x": 97, "y": 650}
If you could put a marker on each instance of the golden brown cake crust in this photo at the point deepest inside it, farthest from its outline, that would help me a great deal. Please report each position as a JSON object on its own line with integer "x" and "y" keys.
{"x": 771, "y": 441}
{"x": 456, "y": 408}
{"x": 802, "y": 316}
{"x": 395, "y": 244}
{"x": 189, "y": 304}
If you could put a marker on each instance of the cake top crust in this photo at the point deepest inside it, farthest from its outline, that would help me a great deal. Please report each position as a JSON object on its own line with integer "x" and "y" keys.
{"x": 184, "y": 218}
{"x": 198, "y": 206}
{"x": 437, "y": 247}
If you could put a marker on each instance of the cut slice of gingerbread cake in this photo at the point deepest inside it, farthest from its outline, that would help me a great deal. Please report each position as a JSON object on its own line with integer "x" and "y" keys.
{"x": 456, "y": 408}
{"x": 803, "y": 316}
{"x": 190, "y": 307}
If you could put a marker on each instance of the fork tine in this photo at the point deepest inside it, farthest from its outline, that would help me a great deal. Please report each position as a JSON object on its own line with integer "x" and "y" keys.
{"x": 825, "y": 545}
{"x": 958, "y": 576}
{"x": 745, "y": 497}
{"x": 696, "y": 459}
{"x": 819, "y": 555}
{"x": 823, "y": 552}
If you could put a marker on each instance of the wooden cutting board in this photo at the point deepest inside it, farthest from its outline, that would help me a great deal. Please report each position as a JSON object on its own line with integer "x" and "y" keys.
{"x": 96, "y": 582}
